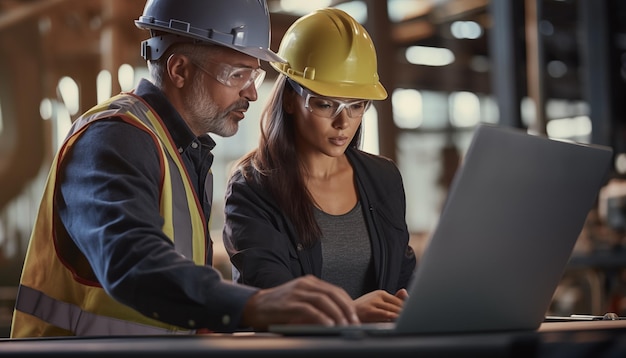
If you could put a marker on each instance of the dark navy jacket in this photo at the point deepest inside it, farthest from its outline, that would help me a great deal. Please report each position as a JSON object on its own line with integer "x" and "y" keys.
{"x": 109, "y": 201}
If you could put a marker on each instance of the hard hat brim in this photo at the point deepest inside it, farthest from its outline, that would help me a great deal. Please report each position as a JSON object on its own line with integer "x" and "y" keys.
{"x": 371, "y": 91}
{"x": 261, "y": 53}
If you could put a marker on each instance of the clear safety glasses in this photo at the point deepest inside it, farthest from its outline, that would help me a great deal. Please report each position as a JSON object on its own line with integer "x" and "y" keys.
{"x": 329, "y": 107}
{"x": 237, "y": 77}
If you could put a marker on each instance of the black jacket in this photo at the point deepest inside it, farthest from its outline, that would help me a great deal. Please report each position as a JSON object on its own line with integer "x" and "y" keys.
{"x": 263, "y": 245}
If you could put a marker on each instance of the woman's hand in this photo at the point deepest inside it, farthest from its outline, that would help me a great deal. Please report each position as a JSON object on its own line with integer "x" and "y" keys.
{"x": 380, "y": 306}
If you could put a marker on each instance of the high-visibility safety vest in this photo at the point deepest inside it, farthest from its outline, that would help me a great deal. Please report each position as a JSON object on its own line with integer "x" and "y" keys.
{"x": 53, "y": 298}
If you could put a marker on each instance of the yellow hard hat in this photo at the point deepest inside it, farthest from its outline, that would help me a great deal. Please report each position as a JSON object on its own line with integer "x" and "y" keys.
{"x": 331, "y": 54}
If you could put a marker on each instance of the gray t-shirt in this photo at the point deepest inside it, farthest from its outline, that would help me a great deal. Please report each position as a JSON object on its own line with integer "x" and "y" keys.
{"x": 346, "y": 251}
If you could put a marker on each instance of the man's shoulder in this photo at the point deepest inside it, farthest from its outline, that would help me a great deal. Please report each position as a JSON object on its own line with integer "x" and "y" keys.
{"x": 114, "y": 134}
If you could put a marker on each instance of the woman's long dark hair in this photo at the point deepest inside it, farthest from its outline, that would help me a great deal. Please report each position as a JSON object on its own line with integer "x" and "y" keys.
{"x": 275, "y": 165}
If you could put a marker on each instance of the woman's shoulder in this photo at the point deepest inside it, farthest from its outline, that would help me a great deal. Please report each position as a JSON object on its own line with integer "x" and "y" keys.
{"x": 245, "y": 180}
{"x": 243, "y": 177}
{"x": 370, "y": 160}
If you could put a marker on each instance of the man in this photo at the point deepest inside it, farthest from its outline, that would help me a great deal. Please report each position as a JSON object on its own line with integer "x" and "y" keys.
{"x": 121, "y": 245}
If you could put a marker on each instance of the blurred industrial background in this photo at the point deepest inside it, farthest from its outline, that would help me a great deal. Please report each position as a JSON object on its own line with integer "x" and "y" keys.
{"x": 553, "y": 67}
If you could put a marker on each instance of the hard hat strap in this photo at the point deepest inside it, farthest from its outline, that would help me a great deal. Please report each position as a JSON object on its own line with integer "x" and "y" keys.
{"x": 153, "y": 48}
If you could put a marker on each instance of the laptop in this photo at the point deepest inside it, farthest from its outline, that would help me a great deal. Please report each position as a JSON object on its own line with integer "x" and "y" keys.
{"x": 513, "y": 213}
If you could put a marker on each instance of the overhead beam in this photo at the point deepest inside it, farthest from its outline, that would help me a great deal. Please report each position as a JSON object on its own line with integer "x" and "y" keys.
{"x": 27, "y": 11}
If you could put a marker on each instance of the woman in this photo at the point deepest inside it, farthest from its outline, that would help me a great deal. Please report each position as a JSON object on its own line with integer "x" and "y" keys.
{"x": 307, "y": 200}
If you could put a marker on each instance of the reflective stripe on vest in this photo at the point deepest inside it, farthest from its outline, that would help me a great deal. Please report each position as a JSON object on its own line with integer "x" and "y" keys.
{"x": 182, "y": 228}
{"x": 71, "y": 318}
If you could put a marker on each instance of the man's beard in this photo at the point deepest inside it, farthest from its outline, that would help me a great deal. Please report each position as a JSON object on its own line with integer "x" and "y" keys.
{"x": 205, "y": 113}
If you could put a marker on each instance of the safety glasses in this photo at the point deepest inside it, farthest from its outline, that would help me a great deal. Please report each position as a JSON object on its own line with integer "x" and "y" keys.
{"x": 236, "y": 77}
{"x": 329, "y": 107}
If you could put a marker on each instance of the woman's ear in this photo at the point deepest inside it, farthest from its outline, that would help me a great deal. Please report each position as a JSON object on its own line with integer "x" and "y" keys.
{"x": 289, "y": 102}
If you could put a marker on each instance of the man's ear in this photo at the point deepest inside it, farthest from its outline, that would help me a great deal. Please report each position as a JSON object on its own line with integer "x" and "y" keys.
{"x": 178, "y": 70}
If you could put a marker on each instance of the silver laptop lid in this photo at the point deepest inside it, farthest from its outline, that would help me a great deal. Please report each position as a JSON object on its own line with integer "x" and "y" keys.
{"x": 512, "y": 216}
